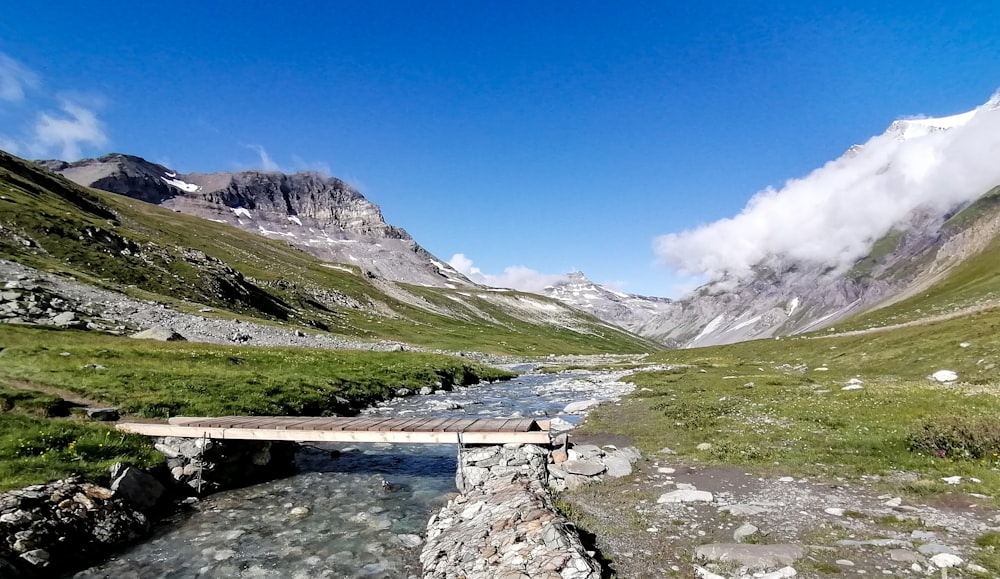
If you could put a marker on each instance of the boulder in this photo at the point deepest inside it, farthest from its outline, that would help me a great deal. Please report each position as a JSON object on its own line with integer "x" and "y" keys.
{"x": 103, "y": 414}
{"x": 583, "y": 467}
{"x": 580, "y": 406}
{"x": 944, "y": 376}
{"x": 686, "y": 496}
{"x": 137, "y": 488}
{"x": 159, "y": 333}
{"x": 617, "y": 466}
{"x": 751, "y": 556}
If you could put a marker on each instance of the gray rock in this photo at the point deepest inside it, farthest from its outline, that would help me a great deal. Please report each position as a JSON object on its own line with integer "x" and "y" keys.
{"x": 743, "y": 510}
{"x": 159, "y": 333}
{"x": 583, "y": 467}
{"x": 876, "y": 543}
{"x": 617, "y": 466}
{"x": 103, "y": 414}
{"x": 904, "y": 556}
{"x": 931, "y": 549}
{"x": 37, "y": 557}
{"x": 686, "y": 496}
{"x": 580, "y": 406}
{"x": 64, "y": 318}
{"x": 744, "y": 532}
{"x": 752, "y": 556}
{"x": 585, "y": 451}
{"x": 138, "y": 488}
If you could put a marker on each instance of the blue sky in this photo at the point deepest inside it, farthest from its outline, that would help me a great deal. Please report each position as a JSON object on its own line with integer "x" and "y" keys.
{"x": 548, "y": 135}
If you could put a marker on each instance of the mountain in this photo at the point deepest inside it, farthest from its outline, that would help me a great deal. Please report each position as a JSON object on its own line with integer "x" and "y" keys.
{"x": 321, "y": 215}
{"x": 786, "y": 293}
{"x": 193, "y": 265}
{"x": 628, "y": 311}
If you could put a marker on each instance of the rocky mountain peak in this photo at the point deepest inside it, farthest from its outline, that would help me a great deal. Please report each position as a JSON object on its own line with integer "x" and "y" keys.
{"x": 319, "y": 214}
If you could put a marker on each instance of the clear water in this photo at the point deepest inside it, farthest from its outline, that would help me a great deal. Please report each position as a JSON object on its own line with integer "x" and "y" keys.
{"x": 334, "y": 518}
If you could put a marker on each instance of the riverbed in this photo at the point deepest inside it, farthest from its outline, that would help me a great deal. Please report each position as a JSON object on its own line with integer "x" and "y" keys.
{"x": 351, "y": 510}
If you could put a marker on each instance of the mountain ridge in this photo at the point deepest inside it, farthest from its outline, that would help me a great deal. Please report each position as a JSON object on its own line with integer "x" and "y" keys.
{"x": 787, "y": 294}
{"x": 319, "y": 214}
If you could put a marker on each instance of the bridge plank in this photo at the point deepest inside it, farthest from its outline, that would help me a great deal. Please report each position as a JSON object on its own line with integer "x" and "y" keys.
{"x": 433, "y": 436}
{"x": 430, "y": 425}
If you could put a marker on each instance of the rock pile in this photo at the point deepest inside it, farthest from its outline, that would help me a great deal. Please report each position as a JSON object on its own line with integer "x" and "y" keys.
{"x": 574, "y": 465}
{"x": 77, "y": 521}
{"x": 206, "y": 465}
{"x": 504, "y": 523}
{"x": 23, "y": 302}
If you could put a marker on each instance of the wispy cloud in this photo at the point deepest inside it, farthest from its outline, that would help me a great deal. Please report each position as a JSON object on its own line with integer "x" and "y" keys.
{"x": 15, "y": 79}
{"x": 266, "y": 162}
{"x": 515, "y": 277}
{"x": 833, "y": 215}
{"x": 64, "y": 123}
{"x": 68, "y": 132}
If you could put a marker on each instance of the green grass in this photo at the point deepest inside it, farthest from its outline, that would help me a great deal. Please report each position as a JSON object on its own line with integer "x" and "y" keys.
{"x": 974, "y": 281}
{"x": 765, "y": 403}
{"x": 35, "y": 450}
{"x": 150, "y": 252}
{"x": 158, "y": 379}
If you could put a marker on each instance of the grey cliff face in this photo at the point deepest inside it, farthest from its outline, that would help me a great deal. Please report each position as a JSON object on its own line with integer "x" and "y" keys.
{"x": 319, "y": 214}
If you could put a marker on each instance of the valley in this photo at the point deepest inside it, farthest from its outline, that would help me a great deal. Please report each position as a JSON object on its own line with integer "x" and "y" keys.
{"x": 803, "y": 399}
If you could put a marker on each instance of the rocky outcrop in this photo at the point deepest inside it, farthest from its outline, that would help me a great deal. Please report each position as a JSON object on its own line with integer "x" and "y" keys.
{"x": 207, "y": 465}
{"x": 575, "y": 465}
{"x": 504, "y": 523}
{"x": 319, "y": 214}
{"x": 50, "y": 528}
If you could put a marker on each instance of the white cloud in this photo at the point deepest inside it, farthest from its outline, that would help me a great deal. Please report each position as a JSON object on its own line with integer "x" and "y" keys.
{"x": 64, "y": 123}
{"x": 833, "y": 215}
{"x": 15, "y": 79}
{"x": 67, "y": 133}
{"x": 266, "y": 162}
{"x": 516, "y": 277}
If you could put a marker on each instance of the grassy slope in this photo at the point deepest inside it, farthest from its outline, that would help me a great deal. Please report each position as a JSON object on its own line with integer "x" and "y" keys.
{"x": 123, "y": 243}
{"x": 766, "y": 403}
{"x": 974, "y": 281}
{"x": 781, "y": 404}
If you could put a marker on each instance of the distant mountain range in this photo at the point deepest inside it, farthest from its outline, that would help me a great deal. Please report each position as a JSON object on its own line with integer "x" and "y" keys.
{"x": 784, "y": 296}
{"x": 781, "y": 294}
{"x": 303, "y": 250}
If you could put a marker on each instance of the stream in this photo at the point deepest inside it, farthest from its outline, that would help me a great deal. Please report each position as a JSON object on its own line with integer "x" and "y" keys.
{"x": 334, "y": 518}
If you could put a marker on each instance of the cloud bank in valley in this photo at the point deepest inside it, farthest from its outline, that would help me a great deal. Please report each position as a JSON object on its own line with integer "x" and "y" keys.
{"x": 63, "y": 126}
{"x": 515, "y": 277}
{"x": 834, "y": 214}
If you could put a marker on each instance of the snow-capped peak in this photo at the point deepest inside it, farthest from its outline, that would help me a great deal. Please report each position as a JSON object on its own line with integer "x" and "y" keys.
{"x": 913, "y": 128}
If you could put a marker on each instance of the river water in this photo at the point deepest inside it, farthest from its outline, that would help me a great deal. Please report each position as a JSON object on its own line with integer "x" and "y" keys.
{"x": 335, "y": 519}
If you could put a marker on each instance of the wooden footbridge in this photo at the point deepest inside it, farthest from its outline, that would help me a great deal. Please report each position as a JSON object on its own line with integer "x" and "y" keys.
{"x": 426, "y": 430}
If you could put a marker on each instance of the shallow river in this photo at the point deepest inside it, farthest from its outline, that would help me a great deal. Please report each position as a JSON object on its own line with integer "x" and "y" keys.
{"x": 334, "y": 518}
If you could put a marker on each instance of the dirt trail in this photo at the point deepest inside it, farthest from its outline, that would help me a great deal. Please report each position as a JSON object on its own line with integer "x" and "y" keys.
{"x": 840, "y": 528}
{"x": 921, "y": 322}
{"x": 68, "y": 396}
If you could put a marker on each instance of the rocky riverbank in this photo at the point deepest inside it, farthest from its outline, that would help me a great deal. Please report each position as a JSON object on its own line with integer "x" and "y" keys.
{"x": 52, "y": 528}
